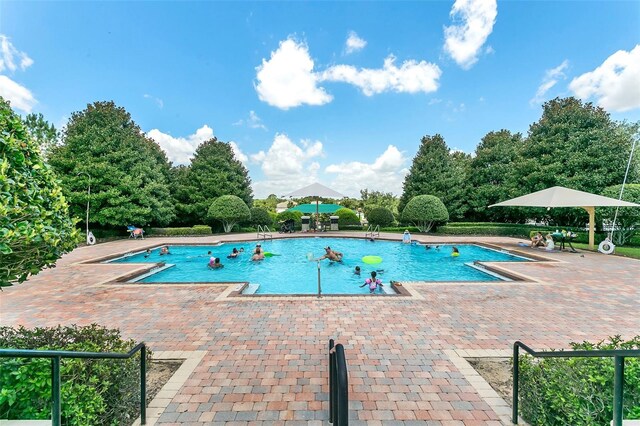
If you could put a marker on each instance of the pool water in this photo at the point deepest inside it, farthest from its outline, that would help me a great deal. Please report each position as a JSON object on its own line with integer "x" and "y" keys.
{"x": 290, "y": 271}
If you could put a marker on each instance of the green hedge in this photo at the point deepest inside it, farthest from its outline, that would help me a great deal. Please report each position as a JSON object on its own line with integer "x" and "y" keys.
{"x": 93, "y": 392}
{"x": 578, "y": 391}
{"x": 195, "y": 230}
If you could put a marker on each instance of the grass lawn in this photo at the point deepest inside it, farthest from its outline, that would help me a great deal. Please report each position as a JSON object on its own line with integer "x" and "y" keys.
{"x": 621, "y": 251}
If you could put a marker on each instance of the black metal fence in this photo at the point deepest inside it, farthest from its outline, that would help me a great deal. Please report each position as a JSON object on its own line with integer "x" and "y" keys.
{"x": 618, "y": 356}
{"x": 56, "y": 356}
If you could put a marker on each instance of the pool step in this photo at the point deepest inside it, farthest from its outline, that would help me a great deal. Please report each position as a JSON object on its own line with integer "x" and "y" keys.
{"x": 481, "y": 268}
{"x": 386, "y": 289}
{"x": 153, "y": 271}
{"x": 251, "y": 289}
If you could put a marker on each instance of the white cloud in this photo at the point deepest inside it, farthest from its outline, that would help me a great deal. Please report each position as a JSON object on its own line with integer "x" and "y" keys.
{"x": 615, "y": 84}
{"x": 240, "y": 156}
{"x": 158, "y": 101}
{"x": 11, "y": 58}
{"x": 354, "y": 43}
{"x": 411, "y": 77}
{"x": 464, "y": 39}
{"x": 287, "y": 80}
{"x": 19, "y": 96}
{"x": 253, "y": 122}
{"x": 287, "y": 165}
{"x": 385, "y": 174}
{"x": 180, "y": 150}
{"x": 549, "y": 80}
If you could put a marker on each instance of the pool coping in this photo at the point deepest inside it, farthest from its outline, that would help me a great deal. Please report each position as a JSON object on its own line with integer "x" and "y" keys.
{"x": 234, "y": 289}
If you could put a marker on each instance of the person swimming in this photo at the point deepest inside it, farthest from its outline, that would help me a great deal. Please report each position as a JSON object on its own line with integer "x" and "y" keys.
{"x": 214, "y": 263}
{"x": 164, "y": 250}
{"x": 234, "y": 253}
{"x": 147, "y": 253}
{"x": 258, "y": 254}
{"x": 455, "y": 252}
{"x": 373, "y": 283}
{"x": 332, "y": 255}
{"x": 357, "y": 270}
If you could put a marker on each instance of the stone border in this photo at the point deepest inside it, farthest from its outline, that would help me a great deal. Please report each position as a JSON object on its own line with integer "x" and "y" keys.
{"x": 170, "y": 389}
{"x": 484, "y": 389}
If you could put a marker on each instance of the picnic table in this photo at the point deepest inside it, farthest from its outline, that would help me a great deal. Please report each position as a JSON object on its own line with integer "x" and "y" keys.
{"x": 564, "y": 238}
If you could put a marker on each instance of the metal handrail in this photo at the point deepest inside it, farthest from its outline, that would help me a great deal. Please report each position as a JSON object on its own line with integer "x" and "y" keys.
{"x": 338, "y": 386}
{"x": 618, "y": 381}
{"x": 264, "y": 231}
{"x": 372, "y": 231}
{"x": 56, "y": 356}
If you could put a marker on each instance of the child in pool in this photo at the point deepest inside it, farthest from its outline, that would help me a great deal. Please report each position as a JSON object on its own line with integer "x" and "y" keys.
{"x": 147, "y": 253}
{"x": 233, "y": 254}
{"x": 214, "y": 263}
{"x": 357, "y": 270}
{"x": 372, "y": 282}
{"x": 455, "y": 252}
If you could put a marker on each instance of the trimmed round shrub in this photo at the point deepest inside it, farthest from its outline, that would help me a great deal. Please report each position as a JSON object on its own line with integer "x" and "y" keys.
{"x": 260, "y": 216}
{"x": 93, "y": 391}
{"x": 424, "y": 211}
{"x": 35, "y": 226}
{"x": 380, "y": 216}
{"x": 347, "y": 217}
{"x": 230, "y": 210}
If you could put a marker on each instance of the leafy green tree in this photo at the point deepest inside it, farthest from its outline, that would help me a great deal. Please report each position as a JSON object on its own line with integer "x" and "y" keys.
{"x": 270, "y": 203}
{"x": 35, "y": 226}
{"x": 260, "y": 216}
{"x": 180, "y": 189}
{"x": 424, "y": 211}
{"x": 435, "y": 170}
{"x": 576, "y": 145}
{"x": 375, "y": 199}
{"x": 380, "y": 216}
{"x": 286, "y": 215}
{"x": 215, "y": 172}
{"x": 628, "y": 218}
{"x": 128, "y": 171}
{"x": 230, "y": 210}
{"x": 44, "y": 133}
{"x": 492, "y": 178}
{"x": 347, "y": 217}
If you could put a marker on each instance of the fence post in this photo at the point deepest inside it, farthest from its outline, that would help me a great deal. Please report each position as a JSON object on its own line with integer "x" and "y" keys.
{"x": 331, "y": 383}
{"x": 56, "y": 412}
{"x": 516, "y": 381}
{"x": 618, "y": 385}
{"x": 143, "y": 385}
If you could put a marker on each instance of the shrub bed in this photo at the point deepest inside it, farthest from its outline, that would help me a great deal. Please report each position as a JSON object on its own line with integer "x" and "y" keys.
{"x": 578, "y": 391}
{"x": 93, "y": 392}
{"x": 195, "y": 230}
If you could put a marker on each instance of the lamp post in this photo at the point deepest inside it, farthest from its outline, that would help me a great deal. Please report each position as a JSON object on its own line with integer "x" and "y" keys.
{"x": 90, "y": 238}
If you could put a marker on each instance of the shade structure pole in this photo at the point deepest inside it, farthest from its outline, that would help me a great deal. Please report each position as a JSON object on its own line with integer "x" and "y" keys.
{"x": 592, "y": 225}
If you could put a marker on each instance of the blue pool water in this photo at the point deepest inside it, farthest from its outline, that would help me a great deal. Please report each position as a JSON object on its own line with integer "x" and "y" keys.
{"x": 291, "y": 272}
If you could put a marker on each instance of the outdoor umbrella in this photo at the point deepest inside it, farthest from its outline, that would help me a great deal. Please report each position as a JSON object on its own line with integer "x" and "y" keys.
{"x": 559, "y": 196}
{"x": 310, "y": 208}
{"x": 315, "y": 190}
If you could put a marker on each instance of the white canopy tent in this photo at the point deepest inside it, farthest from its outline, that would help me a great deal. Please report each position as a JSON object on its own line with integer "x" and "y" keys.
{"x": 559, "y": 196}
{"x": 315, "y": 190}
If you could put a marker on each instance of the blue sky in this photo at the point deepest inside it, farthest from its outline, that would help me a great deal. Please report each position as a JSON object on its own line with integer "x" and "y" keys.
{"x": 335, "y": 92}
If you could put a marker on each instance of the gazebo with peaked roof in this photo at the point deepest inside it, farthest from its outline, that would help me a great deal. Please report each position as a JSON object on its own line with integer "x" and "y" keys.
{"x": 559, "y": 196}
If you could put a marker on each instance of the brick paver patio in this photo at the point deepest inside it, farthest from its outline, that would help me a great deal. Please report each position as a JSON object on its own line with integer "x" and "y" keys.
{"x": 264, "y": 360}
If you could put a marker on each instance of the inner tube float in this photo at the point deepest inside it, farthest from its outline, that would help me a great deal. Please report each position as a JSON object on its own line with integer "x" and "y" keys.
{"x": 91, "y": 240}
{"x": 606, "y": 247}
{"x": 371, "y": 260}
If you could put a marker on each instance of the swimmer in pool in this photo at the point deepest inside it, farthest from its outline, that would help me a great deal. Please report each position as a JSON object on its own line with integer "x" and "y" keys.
{"x": 455, "y": 252}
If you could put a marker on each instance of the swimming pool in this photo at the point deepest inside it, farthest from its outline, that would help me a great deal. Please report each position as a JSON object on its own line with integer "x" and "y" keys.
{"x": 290, "y": 271}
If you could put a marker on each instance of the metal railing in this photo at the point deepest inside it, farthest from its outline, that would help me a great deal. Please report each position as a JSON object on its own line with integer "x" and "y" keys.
{"x": 618, "y": 380}
{"x": 56, "y": 356}
{"x": 338, "y": 386}
{"x": 264, "y": 232}
{"x": 372, "y": 231}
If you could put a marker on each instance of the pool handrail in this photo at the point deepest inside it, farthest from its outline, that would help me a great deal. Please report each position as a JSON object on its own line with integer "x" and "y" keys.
{"x": 338, "y": 386}
{"x": 56, "y": 356}
{"x": 618, "y": 381}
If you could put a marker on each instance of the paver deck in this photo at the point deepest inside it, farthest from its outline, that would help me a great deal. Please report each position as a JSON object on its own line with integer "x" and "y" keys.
{"x": 265, "y": 359}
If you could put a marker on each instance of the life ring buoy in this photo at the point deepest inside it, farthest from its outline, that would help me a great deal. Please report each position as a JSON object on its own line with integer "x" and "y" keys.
{"x": 606, "y": 247}
{"x": 91, "y": 240}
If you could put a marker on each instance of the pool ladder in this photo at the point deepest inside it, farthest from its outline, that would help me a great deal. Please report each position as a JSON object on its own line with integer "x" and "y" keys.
{"x": 264, "y": 232}
{"x": 372, "y": 231}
